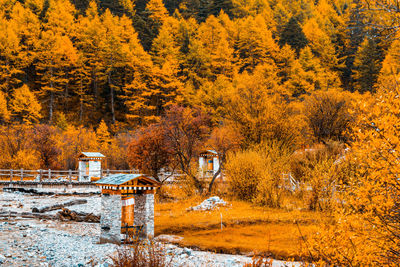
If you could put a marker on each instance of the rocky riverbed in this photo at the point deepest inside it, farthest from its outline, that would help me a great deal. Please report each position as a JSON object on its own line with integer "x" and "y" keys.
{"x": 31, "y": 242}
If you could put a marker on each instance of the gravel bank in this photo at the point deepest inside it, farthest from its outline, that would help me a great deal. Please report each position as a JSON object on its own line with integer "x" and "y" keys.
{"x": 29, "y": 242}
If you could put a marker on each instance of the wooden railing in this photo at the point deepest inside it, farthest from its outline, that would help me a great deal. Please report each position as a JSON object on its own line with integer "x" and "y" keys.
{"x": 41, "y": 175}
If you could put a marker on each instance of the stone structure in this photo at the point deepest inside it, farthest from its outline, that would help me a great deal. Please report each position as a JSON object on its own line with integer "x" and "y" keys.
{"x": 144, "y": 214}
{"x": 110, "y": 220}
{"x": 124, "y": 195}
{"x": 208, "y": 163}
{"x": 89, "y": 166}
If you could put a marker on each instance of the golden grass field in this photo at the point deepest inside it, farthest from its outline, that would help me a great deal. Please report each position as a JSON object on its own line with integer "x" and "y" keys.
{"x": 247, "y": 229}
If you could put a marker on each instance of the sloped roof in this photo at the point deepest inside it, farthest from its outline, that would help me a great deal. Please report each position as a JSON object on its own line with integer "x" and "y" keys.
{"x": 121, "y": 178}
{"x": 92, "y": 155}
{"x": 209, "y": 152}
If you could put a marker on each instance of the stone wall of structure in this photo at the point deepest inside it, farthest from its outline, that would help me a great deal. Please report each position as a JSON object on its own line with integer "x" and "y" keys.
{"x": 144, "y": 214}
{"x": 110, "y": 221}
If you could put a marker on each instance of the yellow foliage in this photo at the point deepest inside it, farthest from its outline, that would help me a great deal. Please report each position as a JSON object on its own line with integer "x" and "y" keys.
{"x": 255, "y": 108}
{"x": 24, "y": 105}
{"x": 320, "y": 42}
{"x": 390, "y": 73}
{"x": 157, "y": 10}
{"x": 244, "y": 170}
{"x": 27, "y": 159}
{"x": 366, "y": 229}
{"x": 4, "y": 113}
{"x": 73, "y": 141}
{"x": 256, "y": 175}
{"x": 102, "y": 133}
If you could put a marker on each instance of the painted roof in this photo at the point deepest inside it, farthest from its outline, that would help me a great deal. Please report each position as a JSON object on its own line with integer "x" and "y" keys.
{"x": 121, "y": 178}
{"x": 209, "y": 151}
{"x": 92, "y": 155}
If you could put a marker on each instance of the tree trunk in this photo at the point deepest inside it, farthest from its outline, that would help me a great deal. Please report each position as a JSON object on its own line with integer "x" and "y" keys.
{"x": 213, "y": 179}
{"x": 51, "y": 103}
{"x": 64, "y": 215}
{"x": 59, "y": 205}
{"x": 112, "y": 97}
{"x": 81, "y": 102}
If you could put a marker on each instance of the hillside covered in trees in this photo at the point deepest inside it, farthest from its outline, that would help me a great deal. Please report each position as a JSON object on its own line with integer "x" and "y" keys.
{"x": 126, "y": 62}
{"x": 152, "y": 83}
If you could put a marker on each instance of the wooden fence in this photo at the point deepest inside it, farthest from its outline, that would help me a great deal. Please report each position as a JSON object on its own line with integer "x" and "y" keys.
{"x": 41, "y": 175}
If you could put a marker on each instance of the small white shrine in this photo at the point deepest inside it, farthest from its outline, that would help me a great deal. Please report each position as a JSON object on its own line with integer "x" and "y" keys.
{"x": 208, "y": 162}
{"x": 89, "y": 166}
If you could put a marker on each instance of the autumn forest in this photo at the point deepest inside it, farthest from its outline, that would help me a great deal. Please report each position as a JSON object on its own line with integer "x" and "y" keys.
{"x": 306, "y": 87}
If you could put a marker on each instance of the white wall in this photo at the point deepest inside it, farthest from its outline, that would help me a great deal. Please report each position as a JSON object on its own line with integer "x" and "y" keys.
{"x": 215, "y": 164}
{"x": 94, "y": 170}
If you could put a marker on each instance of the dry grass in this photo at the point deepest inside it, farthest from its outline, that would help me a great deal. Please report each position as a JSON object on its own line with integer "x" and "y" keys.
{"x": 141, "y": 254}
{"x": 246, "y": 228}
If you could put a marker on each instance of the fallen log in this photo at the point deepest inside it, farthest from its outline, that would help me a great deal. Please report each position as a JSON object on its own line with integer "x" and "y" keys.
{"x": 28, "y": 215}
{"x": 59, "y": 205}
{"x": 64, "y": 215}
{"x": 68, "y": 215}
{"x": 48, "y": 193}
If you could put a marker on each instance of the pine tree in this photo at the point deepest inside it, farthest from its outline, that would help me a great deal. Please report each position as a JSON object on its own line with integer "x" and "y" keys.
{"x": 293, "y": 35}
{"x": 112, "y": 56}
{"x": 211, "y": 53}
{"x": 256, "y": 110}
{"x": 117, "y": 7}
{"x": 213, "y": 8}
{"x": 367, "y": 64}
{"x": 91, "y": 33}
{"x": 57, "y": 56}
{"x": 390, "y": 72}
{"x": 321, "y": 44}
{"x": 102, "y": 133}
{"x": 4, "y": 112}
{"x": 10, "y": 49}
{"x": 157, "y": 12}
{"x": 254, "y": 44}
{"x": 167, "y": 45}
{"x": 19, "y": 33}
{"x": 24, "y": 105}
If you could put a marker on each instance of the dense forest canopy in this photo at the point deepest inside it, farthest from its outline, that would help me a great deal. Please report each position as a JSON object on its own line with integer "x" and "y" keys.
{"x": 125, "y": 61}
{"x": 86, "y": 75}
{"x": 151, "y": 83}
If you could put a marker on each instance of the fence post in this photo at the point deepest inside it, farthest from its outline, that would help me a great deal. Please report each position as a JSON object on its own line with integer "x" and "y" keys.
{"x": 108, "y": 172}
{"x": 70, "y": 175}
{"x": 11, "y": 174}
{"x": 22, "y": 174}
{"x": 101, "y": 173}
{"x": 40, "y": 175}
{"x": 49, "y": 175}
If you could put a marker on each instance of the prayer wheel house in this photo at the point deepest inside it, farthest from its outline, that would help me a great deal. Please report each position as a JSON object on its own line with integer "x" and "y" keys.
{"x": 127, "y": 207}
{"x": 208, "y": 163}
{"x": 89, "y": 166}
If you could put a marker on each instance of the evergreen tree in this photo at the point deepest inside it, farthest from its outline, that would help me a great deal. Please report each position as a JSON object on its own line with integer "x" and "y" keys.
{"x": 321, "y": 44}
{"x": 117, "y": 7}
{"x": 152, "y": 18}
{"x": 103, "y": 135}
{"x": 4, "y": 112}
{"x": 254, "y": 44}
{"x": 167, "y": 45}
{"x": 210, "y": 52}
{"x": 24, "y": 105}
{"x": 57, "y": 55}
{"x": 10, "y": 49}
{"x": 213, "y": 8}
{"x": 390, "y": 71}
{"x": 367, "y": 64}
{"x": 91, "y": 34}
{"x": 293, "y": 35}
